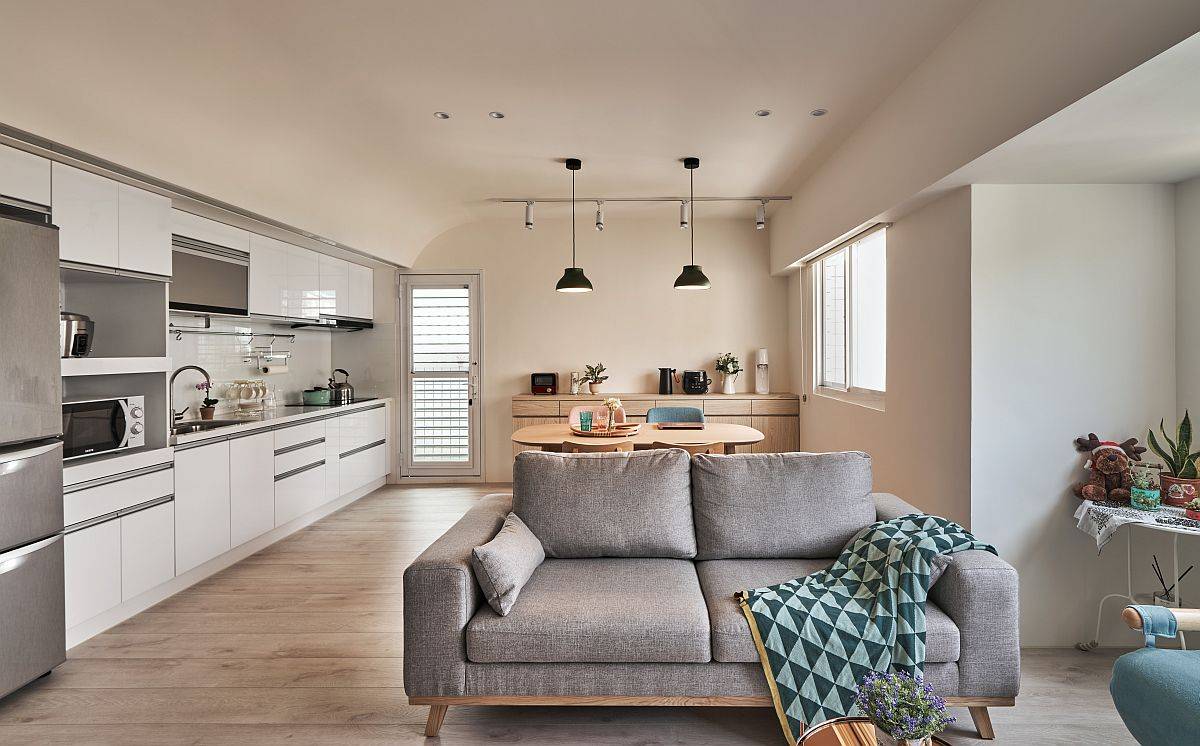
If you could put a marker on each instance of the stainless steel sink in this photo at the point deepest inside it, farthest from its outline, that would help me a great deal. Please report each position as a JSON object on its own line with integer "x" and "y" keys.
{"x": 199, "y": 426}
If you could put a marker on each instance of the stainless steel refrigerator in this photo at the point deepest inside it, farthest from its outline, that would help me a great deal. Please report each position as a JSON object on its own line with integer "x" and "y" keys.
{"x": 32, "y": 618}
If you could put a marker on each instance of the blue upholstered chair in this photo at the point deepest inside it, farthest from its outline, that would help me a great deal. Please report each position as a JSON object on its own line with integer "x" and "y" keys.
{"x": 674, "y": 414}
{"x": 1157, "y": 691}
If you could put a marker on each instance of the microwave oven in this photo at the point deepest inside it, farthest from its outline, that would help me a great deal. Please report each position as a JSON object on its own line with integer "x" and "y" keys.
{"x": 92, "y": 426}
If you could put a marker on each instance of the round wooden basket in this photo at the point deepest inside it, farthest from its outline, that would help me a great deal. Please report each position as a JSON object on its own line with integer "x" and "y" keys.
{"x": 622, "y": 431}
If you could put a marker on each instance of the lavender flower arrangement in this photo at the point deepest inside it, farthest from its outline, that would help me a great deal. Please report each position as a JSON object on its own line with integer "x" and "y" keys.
{"x": 902, "y": 706}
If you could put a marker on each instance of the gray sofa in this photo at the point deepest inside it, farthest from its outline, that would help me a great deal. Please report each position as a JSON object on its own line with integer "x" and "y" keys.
{"x": 634, "y": 603}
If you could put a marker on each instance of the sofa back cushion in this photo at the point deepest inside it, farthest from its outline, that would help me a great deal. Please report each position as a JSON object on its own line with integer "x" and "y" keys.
{"x": 636, "y": 504}
{"x": 780, "y": 505}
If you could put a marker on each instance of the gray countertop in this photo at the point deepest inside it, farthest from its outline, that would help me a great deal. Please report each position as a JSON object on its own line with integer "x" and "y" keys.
{"x": 270, "y": 418}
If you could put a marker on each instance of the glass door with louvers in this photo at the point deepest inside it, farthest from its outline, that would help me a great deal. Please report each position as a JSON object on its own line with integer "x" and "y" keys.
{"x": 441, "y": 363}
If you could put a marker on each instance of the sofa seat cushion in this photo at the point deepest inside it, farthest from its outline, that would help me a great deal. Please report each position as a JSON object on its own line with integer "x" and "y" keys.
{"x": 731, "y": 639}
{"x": 636, "y": 504}
{"x": 598, "y": 611}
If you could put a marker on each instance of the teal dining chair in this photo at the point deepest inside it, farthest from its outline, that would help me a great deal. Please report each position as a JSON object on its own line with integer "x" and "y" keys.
{"x": 674, "y": 414}
{"x": 1157, "y": 691}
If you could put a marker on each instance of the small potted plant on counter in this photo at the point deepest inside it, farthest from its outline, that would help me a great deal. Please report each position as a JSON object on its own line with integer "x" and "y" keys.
{"x": 209, "y": 406}
{"x": 729, "y": 367}
{"x": 1193, "y": 509}
{"x": 1179, "y": 483}
{"x": 903, "y": 707}
{"x": 593, "y": 376}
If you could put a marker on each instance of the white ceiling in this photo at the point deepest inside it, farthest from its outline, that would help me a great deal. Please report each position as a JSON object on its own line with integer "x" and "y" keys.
{"x": 1143, "y": 127}
{"x": 319, "y": 113}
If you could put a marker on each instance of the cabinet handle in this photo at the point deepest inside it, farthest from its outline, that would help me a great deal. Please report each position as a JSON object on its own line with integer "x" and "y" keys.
{"x": 301, "y": 470}
{"x": 16, "y": 558}
{"x": 360, "y": 449}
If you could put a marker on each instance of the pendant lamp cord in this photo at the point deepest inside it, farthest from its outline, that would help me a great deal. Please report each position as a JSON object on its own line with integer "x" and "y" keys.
{"x": 572, "y": 219}
{"x": 692, "y": 207}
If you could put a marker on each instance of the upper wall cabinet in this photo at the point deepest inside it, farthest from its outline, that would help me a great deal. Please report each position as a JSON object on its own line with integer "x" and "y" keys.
{"x": 362, "y": 292}
{"x": 335, "y": 286}
{"x": 143, "y": 230}
{"x": 209, "y": 231}
{"x": 24, "y": 176}
{"x": 84, "y": 207}
{"x": 109, "y": 224}
{"x": 268, "y": 276}
{"x": 303, "y": 283}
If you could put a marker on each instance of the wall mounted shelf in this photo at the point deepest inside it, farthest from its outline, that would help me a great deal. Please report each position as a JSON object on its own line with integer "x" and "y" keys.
{"x": 110, "y": 366}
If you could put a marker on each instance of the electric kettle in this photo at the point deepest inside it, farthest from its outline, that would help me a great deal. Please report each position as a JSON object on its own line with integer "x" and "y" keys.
{"x": 341, "y": 393}
{"x": 666, "y": 381}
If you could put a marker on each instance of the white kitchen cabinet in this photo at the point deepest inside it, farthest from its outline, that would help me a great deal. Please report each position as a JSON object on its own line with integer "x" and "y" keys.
{"x": 362, "y": 428}
{"x": 92, "y": 571}
{"x": 332, "y": 466}
{"x": 268, "y": 276}
{"x": 201, "y": 504}
{"x": 335, "y": 285}
{"x": 147, "y": 549}
{"x": 143, "y": 231}
{"x": 303, "y": 283}
{"x": 24, "y": 176}
{"x": 84, "y": 207}
{"x": 362, "y": 467}
{"x": 362, "y": 292}
{"x": 251, "y": 487}
{"x": 297, "y": 494}
{"x": 209, "y": 231}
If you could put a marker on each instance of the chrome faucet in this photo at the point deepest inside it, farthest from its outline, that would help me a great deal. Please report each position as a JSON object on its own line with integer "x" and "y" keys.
{"x": 177, "y": 416}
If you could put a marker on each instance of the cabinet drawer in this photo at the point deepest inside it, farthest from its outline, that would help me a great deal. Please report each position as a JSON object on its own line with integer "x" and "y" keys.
{"x": 534, "y": 408}
{"x": 362, "y": 428}
{"x": 776, "y": 406}
{"x": 309, "y": 454}
{"x": 637, "y": 408}
{"x": 92, "y": 568}
{"x": 147, "y": 549}
{"x": 297, "y": 434}
{"x": 727, "y": 406}
{"x": 361, "y": 468}
{"x": 298, "y": 494}
{"x": 85, "y": 504}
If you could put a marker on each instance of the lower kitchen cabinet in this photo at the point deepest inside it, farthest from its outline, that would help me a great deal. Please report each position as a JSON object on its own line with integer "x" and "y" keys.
{"x": 362, "y": 467}
{"x": 201, "y": 504}
{"x": 92, "y": 570}
{"x": 332, "y": 466}
{"x": 147, "y": 549}
{"x": 251, "y": 487}
{"x": 299, "y": 492}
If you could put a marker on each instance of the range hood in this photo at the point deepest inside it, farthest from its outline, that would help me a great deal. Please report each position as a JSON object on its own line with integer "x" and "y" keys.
{"x": 335, "y": 324}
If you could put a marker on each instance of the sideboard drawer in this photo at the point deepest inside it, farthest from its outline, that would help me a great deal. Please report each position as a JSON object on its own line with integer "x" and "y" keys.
{"x": 776, "y": 406}
{"x": 534, "y": 408}
{"x": 727, "y": 406}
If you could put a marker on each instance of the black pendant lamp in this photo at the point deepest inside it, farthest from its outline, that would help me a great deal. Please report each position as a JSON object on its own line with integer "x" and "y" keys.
{"x": 692, "y": 277}
{"x": 573, "y": 279}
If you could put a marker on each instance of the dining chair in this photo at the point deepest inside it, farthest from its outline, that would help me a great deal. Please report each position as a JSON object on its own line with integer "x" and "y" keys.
{"x": 619, "y": 446}
{"x": 692, "y": 448}
{"x": 1157, "y": 690}
{"x": 599, "y": 414}
{"x": 675, "y": 414}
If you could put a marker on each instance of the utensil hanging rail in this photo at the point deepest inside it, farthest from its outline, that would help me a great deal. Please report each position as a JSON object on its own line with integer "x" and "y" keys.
{"x": 178, "y": 332}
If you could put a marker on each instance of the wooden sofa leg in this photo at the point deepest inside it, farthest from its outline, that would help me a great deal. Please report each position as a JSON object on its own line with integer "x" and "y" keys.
{"x": 983, "y": 722}
{"x": 437, "y": 715}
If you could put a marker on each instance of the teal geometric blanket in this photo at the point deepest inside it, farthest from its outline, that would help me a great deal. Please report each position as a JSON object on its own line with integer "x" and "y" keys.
{"x": 819, "y": 635}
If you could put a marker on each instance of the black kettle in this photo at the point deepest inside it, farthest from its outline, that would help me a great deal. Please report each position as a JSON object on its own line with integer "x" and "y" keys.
{"x": 696, "y": 382}
{"x": 666, "y": 381}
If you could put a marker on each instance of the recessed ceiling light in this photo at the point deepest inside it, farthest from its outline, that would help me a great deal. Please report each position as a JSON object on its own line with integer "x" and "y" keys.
{"x": 496, "y": 114}
{"x": 763, "y": 113}
{"x": 818, "y": 112}
{"x": 442, "y": 114}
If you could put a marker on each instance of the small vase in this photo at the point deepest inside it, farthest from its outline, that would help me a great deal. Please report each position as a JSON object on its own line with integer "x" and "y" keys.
{"x": 206, "y": 413}
{"x": 727, "y": 381}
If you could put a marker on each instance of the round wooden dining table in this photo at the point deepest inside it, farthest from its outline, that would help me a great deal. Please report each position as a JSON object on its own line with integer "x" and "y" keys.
{"x": 553, "y": 437}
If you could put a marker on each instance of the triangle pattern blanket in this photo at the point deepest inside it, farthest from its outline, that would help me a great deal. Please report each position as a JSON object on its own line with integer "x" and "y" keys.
{"x": 817, "y": 636}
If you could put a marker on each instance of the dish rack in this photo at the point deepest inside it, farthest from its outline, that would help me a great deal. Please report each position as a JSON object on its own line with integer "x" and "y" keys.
{"x": 251, "y": 395}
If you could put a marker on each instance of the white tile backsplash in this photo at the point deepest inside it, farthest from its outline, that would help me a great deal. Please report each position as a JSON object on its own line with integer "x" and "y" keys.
{"x": 224, "y": 357}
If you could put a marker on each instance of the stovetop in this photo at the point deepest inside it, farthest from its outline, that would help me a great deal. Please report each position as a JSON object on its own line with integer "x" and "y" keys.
{"x": 331, "y": 404}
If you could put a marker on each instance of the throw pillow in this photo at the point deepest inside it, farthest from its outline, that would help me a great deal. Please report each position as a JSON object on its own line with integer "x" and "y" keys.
{"x": 504, "y": 564}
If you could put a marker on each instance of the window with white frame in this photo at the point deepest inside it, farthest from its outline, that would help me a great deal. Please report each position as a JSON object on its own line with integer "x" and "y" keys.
{"x": 850, "y": 311}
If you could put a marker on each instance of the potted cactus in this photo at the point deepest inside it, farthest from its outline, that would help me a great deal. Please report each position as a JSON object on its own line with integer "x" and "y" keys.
{"x": 1180, "y": 481}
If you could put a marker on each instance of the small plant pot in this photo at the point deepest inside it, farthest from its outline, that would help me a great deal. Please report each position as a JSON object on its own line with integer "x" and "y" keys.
{"x": 1193, "y": 514}
{"x": 206, "y": 413}
{"x": 1178, "y": 492}
{"x": 595, "y": 387}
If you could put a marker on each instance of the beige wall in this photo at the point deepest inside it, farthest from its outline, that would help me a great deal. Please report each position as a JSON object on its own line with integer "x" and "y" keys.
{"x": 1187, "y": 280}
{"x": 921, "y": 444}
{"x": 1006, "y": 67}
{"x": 634, "y": 322}
{"x": 1072, "y": 331}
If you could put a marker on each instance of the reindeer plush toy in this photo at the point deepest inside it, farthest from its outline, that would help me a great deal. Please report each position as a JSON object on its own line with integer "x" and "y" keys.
{"x": 1109, "y": 476}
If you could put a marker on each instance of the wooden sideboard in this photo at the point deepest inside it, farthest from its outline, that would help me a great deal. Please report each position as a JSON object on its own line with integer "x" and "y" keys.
{"x": 777, "y": 416}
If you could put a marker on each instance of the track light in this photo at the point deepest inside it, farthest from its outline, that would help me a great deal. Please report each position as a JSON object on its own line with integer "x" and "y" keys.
{"x": 528, "y": 216}
{"x": 760, "y": 220}
{"x": 599, "y": 215}
{"x": 684, "y": 220}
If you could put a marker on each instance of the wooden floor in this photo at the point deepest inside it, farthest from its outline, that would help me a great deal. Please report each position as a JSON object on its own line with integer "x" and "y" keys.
{"x": 301, "y": 643}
